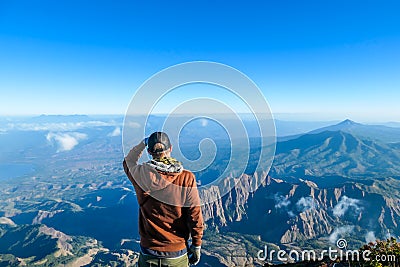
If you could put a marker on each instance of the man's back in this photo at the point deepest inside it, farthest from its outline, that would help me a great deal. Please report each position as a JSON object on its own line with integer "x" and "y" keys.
{"x": 166, "y": 226}
{"x": 169, "y": 204}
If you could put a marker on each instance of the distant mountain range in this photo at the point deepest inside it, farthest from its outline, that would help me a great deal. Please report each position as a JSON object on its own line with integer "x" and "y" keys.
{"x": 339, "y": 153}
{"x": 381, "y": 133}
{"x": 77, "y": 207}
{"x": 388, "y": 133}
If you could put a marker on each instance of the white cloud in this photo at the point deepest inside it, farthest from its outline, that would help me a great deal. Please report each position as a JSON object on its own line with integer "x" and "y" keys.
{"x": 281, "y": 201}
{"x": 65, "y": 141}
{"x": 306, "y": 203}
{"x": 291, "y": 214}
{"x": 345, "y": 204}
{"x": 370, "y": 237}
{"x": 135, "y": 125}
{"x": 116, "y": 132}
{"x": 388, "y": 235}
{"x": 340, "y": 232}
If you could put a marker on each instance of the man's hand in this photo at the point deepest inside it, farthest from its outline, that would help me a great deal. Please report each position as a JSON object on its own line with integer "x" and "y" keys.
{"x": 194, "y": 254}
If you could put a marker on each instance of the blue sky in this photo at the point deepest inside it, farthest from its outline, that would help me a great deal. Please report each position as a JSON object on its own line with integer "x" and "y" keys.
{"x": 312, "y": 59}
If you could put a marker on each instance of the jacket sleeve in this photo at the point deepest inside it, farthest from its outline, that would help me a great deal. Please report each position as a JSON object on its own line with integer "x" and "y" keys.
{"x": 127, "y": 172}
{"x": 130, "y": 162}
{"x": 134, "y": 155}
{"x": 195, "y": 217}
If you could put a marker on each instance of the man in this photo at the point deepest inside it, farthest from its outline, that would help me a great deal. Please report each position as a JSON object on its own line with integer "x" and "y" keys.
{"x": 169, "y": 205}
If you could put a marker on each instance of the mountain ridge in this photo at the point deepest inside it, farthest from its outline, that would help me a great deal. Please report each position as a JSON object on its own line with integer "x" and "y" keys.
{"x": 377, "y": 132}
{"x": 337, "y": 153}
{"x": 381, "y": 133}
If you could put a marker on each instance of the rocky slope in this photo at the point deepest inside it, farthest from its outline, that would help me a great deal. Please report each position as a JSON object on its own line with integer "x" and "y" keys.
{"x": 40, "y": 245}
{"x": 305, "y": 204}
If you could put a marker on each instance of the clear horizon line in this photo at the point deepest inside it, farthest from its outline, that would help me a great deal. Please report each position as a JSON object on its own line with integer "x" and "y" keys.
{"x": 295, "y": 119}
{"x": 164, "y": 113}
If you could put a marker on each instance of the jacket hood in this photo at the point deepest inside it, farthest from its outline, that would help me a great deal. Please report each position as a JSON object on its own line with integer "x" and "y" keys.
{"x": 153, "y": 175}
{"x": 169, "y": 166}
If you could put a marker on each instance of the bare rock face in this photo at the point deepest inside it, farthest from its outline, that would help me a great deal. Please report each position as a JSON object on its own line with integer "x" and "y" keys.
{"x": 291, "y": 213}
{"x": 232, "y": 206}
{"x": 283, "y": 212}
{"x": 308, "y": 224}
{"x": 390, "y": 213}
{"x": 213, "y": 212}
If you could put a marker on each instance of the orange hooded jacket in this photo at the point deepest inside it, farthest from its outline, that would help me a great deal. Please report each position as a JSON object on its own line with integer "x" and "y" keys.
{"x": 169, "y": 204}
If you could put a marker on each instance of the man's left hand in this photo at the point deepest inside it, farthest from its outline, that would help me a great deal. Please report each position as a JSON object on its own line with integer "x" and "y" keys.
{"x": 194, "y": 254}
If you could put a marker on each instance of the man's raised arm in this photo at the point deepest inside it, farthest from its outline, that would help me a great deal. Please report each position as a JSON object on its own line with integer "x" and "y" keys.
{"x": 134, "y": 154}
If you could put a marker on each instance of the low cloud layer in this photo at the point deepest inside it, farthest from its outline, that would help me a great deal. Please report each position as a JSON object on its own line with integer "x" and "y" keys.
{"x": 281, "y": 201}
{"x": 55, "y": 126}
{"x": 306, "y": 203}
{"x": 65, "y": 141}
{"x": 340, "y": 232}
{"x": 346, "y": 204}
{"x": 116, "y": 132}
{"x": 135, "y": 125}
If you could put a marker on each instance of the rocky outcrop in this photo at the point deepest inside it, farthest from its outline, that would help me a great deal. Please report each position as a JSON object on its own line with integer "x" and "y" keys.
{"x": 7, "y": 221}
{"x": 284, "y": 212}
